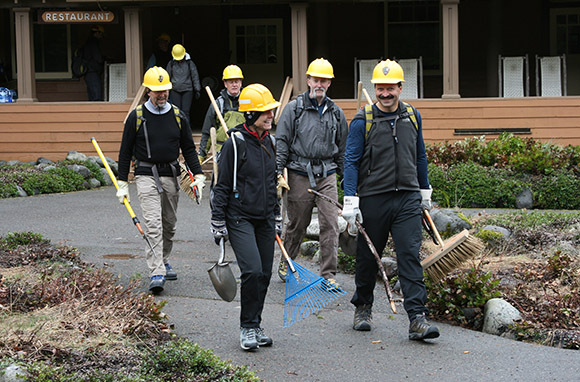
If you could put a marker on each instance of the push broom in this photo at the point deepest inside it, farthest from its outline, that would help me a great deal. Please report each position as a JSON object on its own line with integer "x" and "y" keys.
{"x": 306, "y": 292}
{"x": 451, "y": 254}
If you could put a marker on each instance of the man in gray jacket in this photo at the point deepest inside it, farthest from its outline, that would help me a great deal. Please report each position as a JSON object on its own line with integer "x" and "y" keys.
{"x": 310, "y": 142}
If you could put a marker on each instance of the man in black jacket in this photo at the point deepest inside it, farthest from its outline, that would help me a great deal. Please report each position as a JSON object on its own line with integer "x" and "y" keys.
{"x": 95, "y": 61}
{"x": 154, "y": 134}
{"x": 245, "y": 207}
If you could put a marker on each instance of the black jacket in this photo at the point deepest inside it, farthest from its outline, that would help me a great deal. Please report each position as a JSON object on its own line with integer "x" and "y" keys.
{"x": 256, "y": 179}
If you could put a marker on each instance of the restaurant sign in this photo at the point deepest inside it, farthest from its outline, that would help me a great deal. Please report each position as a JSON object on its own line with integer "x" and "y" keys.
{"x": 74, "y": 17}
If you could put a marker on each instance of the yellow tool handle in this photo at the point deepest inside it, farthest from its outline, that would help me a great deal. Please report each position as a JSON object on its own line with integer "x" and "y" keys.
{"x": 125, "y": 201}
{"x": 216, "y": 108}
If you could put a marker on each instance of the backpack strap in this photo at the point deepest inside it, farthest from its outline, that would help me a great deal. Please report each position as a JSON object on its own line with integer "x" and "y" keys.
{"x": 411, "y": 114}
{"x": 368, "y": 119}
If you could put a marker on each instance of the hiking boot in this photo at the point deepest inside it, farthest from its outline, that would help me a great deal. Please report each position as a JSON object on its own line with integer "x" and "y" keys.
{"x": 332, "y": 285}
{"x": 282, "y": 270}
{"x": 363, "y": 316}
{"x": 262, "y": 338}
{"x": 156, "y": 284}
{"x": 248, "y": 339}
{"x": 420, "y": 328}
{"x": 170, "y": 274}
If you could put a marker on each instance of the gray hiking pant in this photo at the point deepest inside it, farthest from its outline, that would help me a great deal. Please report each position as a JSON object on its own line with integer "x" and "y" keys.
{"x": 300, "y": 205}
{"x": 159, "y": 217}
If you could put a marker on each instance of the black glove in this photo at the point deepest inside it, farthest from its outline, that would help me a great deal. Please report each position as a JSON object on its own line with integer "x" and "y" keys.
{"x": 219, "y": 231}
{"x": 197, "y": 95}
{"x": 279, "y": 225}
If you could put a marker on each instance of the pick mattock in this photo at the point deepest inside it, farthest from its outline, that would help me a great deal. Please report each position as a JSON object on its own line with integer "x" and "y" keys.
{"x": 371, "y": 247}
{"x": 450, "y": 255}
{"x": 125, "y": 201}
{"x": 306, "y": 292}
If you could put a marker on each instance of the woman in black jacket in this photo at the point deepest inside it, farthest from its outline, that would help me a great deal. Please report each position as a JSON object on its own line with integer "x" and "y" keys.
{"x": 245, "y": 206}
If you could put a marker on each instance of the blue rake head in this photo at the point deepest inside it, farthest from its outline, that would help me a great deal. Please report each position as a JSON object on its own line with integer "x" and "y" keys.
{"x": 306, "y": 293}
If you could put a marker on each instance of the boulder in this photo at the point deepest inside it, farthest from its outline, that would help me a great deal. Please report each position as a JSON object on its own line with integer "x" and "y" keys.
{"x": 94, "y": 183}
{"x": 108, "y": 181}
{"x": 525, "y": 199}
{"x": 506, "y": 233}
{"x": 74, "y": 155}
{"x": 498, "y": 315}
{"x": 80, "y": 169}
{"x": 309, "y": 248}
{"x": 448, "y": 221}
{"x": 21, "y": 191}
{"x": 44, "y": 160}
{"x": 13, "y": 373}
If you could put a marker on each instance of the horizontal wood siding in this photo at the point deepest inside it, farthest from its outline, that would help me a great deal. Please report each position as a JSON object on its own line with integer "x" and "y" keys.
{"x": 51, "y": 130}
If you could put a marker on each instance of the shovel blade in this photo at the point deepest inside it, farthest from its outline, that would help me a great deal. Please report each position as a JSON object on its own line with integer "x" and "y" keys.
{"x": 223, "y": 281}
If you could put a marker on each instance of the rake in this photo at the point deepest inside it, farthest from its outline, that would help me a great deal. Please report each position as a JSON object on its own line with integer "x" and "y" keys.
{"x": 306, "y": 292}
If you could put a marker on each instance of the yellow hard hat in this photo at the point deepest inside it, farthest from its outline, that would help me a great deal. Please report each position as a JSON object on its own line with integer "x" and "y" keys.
{"x": 388, "y": 72}
{"x": 257, "y": 97}
{"x": 231, "y": 72}
{"x": 320, "y": 68}
{"x": 178, "y": 52}
{"x": 164, "y": 36}
{"x": 156, "y": 79}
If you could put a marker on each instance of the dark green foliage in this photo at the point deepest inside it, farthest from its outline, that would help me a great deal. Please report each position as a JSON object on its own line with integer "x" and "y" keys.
{"x": 559, "y": 190}
{"x": 453, "y": 297}
{"x": 346, "y": 263}
{"x": 14, "y": 239}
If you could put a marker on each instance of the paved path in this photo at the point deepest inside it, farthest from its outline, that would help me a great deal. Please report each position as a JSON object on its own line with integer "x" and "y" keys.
{"x": 320, "y": 348}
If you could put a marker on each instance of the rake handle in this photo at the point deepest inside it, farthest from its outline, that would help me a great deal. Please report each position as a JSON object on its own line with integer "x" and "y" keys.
{"x": 216, "y": 108}
{"x": 371, "y": 247}
{"x": 288, "y": 260}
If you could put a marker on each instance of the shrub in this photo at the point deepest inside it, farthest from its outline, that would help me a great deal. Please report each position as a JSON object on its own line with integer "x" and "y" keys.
{"x": 14, "y": 239}
{"x": 558, "y": 191}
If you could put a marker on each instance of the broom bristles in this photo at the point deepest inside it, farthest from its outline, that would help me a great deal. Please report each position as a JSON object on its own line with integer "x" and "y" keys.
{"x": 185, "y": 182}
{"x": 468, "y": 247}
{"x": 306, "y": 293}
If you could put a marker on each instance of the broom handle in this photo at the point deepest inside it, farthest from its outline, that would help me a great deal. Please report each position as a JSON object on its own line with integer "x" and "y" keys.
{"x": 371, "y": 247}
{"x": 216, "y": 108}
{"x": 285, "y": 254}
{"x": 368, "y": 98}
{"x": 432, "y": 224}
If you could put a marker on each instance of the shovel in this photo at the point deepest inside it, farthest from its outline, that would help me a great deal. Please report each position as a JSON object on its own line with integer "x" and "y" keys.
{"x": 222, "y": 277}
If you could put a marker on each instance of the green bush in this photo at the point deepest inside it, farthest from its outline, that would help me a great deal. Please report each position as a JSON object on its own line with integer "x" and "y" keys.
{"x": 14, "y": 239}
{"x": 558, "y": 191}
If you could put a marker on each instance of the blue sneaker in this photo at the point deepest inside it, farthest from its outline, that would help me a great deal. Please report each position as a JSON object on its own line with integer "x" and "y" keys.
{"x": 170, "y": 274}
{"x": 156, "y": 284}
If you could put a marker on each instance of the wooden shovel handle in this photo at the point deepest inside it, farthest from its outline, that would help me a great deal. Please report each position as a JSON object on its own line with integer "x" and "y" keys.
{"x": 216, "y": 108}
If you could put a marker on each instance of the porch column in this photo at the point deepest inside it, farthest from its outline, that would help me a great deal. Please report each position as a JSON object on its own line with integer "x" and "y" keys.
{"x": 133, "y": 51}
{"x": 25, "y": 75}
{"x": 449, "y": 10}
{"x": 299, "y": 46}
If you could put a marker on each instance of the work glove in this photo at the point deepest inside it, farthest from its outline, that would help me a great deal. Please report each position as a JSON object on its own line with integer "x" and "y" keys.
{"x": 426, "y": 198}
{"x": 197, "y": 95}
{"x": 219, "y": 231}
{"x": 123, "y": 191}
{"x": 279, "y": 225}
{"x": 199, "y": 181}
{"x": 351, "y": 213}
{"x": 201, "y": 158}
{"x": 282, "y": 184}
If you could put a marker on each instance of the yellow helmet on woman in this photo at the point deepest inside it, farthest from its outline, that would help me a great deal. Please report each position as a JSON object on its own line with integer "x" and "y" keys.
{"x": 157, "y": 79}
{"x": 257, "y": 97}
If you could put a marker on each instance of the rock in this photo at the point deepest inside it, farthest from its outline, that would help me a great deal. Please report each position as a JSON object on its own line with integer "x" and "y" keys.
{"x": 504, "y": 231}
{"x": 390, "y": 265}
{"x": 94, "y": 183}
{"x": 80, "y": 169}
{"x": 108, "y": 180}
{"x": 525, "y": 199}
{"x": 13, "y": 162}
{"x": 49, "y": 167}
{"x": 42, "y": 166}
{"x": 14, "y": 373}
{"x": 498, "y": 315}
{"x": 42, "y": 160}
{"x": 86, "y": 185}
{"x": 73, "y": 155}
{"x": 447, "y": 221}
{"x": 21, "y": 191}
{"x": 3, "y": 163}
{"x": 316, "y": 257}
{"x": 309, "y": 248}
{"x": 313, "y": 230}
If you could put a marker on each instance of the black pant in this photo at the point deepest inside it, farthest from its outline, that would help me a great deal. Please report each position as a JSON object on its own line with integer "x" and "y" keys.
{"x": 182, "y": 100}
{"x": 253, "y": 244}
{"x": 94, "y": 86}
{"x": 399, "y": 213}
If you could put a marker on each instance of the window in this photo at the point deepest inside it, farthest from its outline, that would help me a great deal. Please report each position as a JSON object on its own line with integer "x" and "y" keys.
{"x": 257, "y": 43}
{"x": 52, "y": 51}
{"x": 565, "y": 28}
{"x": 414, "y": 30}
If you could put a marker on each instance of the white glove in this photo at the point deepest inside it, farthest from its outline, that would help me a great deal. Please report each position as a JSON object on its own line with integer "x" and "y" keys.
{"x": 426, "y": 198}
{"x": 123, "y": 191}
{"x": 279, "y": 225}
{"x": 351, "y": 213}
{"x": 199, "y": 182}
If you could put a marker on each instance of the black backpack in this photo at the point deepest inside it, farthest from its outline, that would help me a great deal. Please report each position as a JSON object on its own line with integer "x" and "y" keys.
{"x": 79, "y": 65}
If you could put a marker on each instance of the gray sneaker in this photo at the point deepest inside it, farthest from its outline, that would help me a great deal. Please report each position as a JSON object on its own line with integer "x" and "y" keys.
{"x": 170, "y": 274}
{"x": 248, "y": 339}
{"x": 363, "y": 316}
{"x": 420, "y": 328}
{"x": 262, "y": 338}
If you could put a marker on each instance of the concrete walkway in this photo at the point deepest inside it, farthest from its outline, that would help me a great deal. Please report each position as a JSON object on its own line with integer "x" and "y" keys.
{"x": 320, "y": 348}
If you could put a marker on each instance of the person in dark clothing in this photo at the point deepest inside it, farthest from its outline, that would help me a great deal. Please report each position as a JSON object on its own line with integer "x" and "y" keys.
{"x": 154, "y": 134}
{"x": 184, "y": 79}
{"x": 228, "y": 105}
{"x": 386, "y": 166}
{"x": 95, "y": 61}
{"x": 245, "y": 207}
{"x": 161, "y": 53}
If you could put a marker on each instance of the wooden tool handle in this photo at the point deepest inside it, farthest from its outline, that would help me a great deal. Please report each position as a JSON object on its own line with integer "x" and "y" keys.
{"x": 136, "y": 101}
{"x": 368, "y": 98}
{"x": 216, "y": 108}
{"x": 359, "y": 94}
{"x": 288, "y": 260}
{"x": 432, "y": 224}
{"x": 213, "y": 148}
